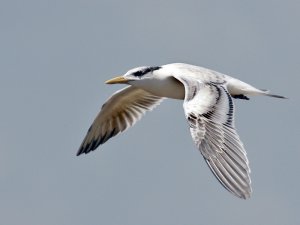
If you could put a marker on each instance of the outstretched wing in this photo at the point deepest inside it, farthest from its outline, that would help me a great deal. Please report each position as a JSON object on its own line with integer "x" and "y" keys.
{"x": 121, "y": 111}
{"x": 209, "y": 110}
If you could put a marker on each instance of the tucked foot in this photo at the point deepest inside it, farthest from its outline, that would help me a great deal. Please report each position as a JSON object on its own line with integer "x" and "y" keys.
{"x": 241, "y": 97}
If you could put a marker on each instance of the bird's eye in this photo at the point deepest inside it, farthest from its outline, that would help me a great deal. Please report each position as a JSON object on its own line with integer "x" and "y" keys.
{"x": 144, "y": 71}
{"x": 138, "y": 73}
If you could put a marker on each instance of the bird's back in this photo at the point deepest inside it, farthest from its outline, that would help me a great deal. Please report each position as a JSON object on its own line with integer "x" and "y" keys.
{"x": 204, "y": 75}
{"x": 195, "y": 72}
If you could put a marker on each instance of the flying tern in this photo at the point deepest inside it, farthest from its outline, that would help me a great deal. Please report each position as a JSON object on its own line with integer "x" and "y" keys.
{"x": 209, "y": 110}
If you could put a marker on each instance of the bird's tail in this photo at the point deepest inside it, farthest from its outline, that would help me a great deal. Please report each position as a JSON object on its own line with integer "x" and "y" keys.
{"x": 240, "y": 88}
{"x": 267, "y": 93}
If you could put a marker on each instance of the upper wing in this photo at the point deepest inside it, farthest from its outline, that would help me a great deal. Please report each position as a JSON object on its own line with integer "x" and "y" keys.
{"x": 209, "y": 110}
{"x": 122, "y": 110}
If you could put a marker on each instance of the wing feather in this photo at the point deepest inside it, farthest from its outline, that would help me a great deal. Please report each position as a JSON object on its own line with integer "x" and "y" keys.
{"x": 209, "y": 110}
{"x": 121, "y": 111}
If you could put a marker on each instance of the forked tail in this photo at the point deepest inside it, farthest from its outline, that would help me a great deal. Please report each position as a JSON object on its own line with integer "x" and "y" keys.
{"x": 267, "y": 93}
{"x": 240, "y": 89}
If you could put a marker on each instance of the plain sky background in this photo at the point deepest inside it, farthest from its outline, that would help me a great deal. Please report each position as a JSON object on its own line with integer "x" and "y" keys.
{"x": 54, "y": 59}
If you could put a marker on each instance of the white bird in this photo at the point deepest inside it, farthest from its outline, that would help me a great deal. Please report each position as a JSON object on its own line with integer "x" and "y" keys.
{"x": 208, "y": 107}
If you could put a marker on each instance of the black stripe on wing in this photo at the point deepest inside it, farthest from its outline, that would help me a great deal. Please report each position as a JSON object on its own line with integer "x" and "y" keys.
{"x": 212, "y": 128}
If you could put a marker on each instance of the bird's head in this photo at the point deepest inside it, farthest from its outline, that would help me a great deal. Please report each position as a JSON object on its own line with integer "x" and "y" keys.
{"x": 133, "y": 75}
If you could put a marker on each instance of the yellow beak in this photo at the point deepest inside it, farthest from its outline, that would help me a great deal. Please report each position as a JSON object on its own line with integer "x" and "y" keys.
{"x": 117, "y": 80}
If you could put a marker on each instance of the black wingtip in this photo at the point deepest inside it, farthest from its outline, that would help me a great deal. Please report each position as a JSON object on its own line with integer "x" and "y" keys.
{"x": 87, "y": 148}
{"x": 94, "y": 144}
{"x": 81, "y": 151}
{"x": 84, "y": 149}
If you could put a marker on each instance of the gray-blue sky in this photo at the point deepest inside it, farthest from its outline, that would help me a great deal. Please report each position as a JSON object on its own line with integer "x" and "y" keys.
{"x": 54, "y": 59}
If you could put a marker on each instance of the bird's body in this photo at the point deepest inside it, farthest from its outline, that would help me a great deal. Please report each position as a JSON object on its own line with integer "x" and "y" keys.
{"x": 209, "y": 110}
